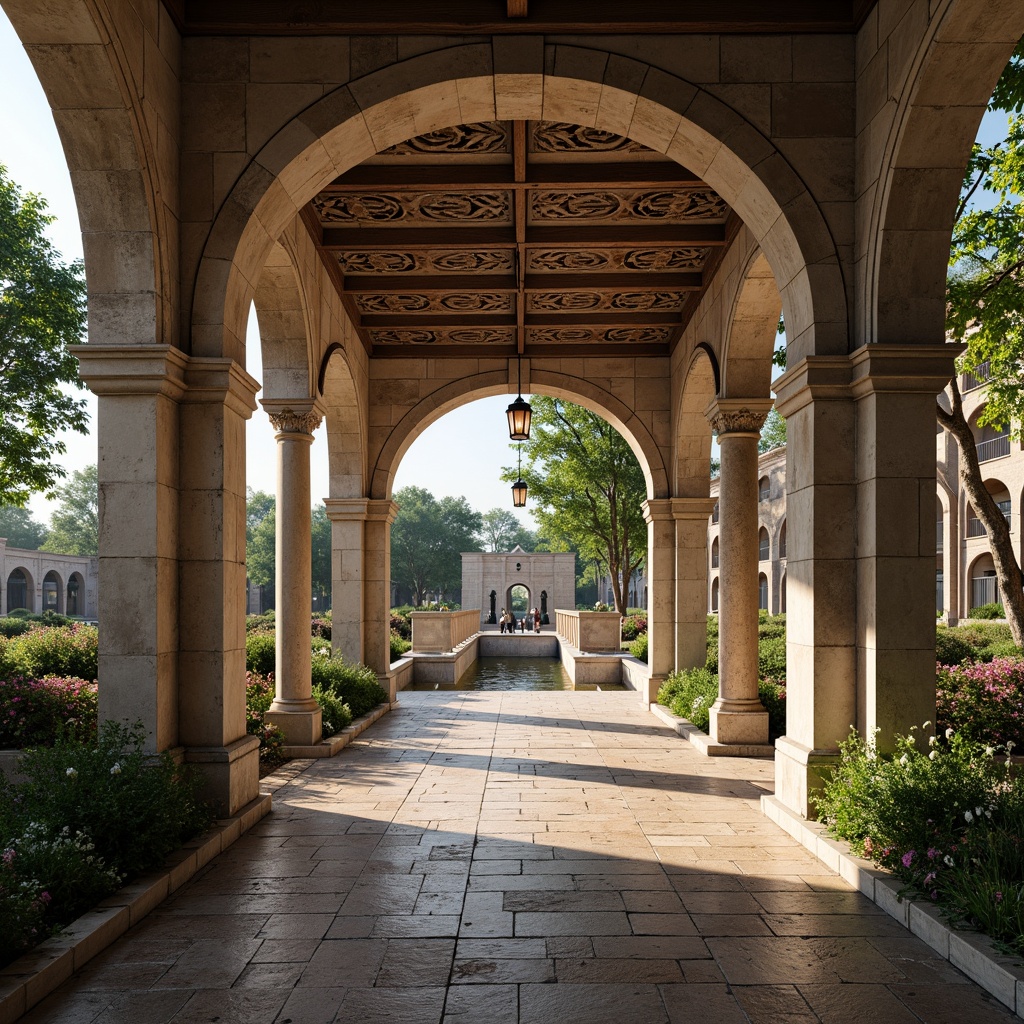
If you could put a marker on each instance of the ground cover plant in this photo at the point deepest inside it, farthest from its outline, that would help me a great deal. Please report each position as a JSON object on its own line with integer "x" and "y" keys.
{"x": 945, "y": 816}
{"x": 92, "y": 814}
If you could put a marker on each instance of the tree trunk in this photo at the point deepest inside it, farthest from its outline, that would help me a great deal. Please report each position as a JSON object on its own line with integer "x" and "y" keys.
{"x": 1008, "y": 572}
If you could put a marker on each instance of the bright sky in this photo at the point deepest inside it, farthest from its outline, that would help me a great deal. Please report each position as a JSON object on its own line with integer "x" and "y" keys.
{"x": 31, "y": 151}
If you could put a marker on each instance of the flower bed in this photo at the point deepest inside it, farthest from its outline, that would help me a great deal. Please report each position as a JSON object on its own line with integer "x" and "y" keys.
{"x": 34, "y": 712}
{"x": 983, "y": 701}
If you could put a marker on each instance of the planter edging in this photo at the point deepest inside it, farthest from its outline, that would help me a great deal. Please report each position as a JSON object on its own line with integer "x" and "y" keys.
{"x": 971, "y": 952}
{"x": 704, "y": 744}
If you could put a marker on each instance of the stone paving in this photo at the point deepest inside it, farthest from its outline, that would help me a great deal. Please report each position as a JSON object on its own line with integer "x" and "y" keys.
{"x": 519, "y": 858}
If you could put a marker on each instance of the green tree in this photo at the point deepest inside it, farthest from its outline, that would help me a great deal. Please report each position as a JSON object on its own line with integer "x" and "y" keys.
{"x": 20, "y": 529}
{"x": 261, "y": 550}
{"x": 75, "y": 525}
{"x": 985, "y": 311}
{"x": 42, "y": 311}
{"x": 459, "y": 524}
{"x": 588, "y": 488}
{"x": 321, "y": 545}
{"x": 773, "y": 433}
{"x": 500, "y": 530}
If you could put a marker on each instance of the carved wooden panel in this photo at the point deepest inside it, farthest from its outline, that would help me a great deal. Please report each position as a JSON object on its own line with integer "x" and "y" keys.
{"x": 452, "y": 336}
{"x": 594, "y": 335}
{"x": 428, "y": 261}
{"x": 664, "y": 206}
{"x": 597, "y": 260}
{"x": 374, "y": 209}
{"x": 576, "y": 301}
{"x": 458, "y": 302}
{"x": 557, "y": 137}
{"x": 476, "y": 137}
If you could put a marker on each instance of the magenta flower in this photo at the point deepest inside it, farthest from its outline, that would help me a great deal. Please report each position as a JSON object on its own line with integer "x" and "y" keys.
{"x": 908, "y": 858}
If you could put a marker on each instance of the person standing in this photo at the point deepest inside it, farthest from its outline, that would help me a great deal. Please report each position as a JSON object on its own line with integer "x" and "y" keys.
{"x": 536, "y": 620}
{"x": 503, "y": 620}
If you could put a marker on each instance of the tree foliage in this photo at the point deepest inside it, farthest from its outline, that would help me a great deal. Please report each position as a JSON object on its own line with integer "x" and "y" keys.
{"x": 773, "y": 433}
{"x": 20, "y": 528}
{"x": 75, "y": 525}
{"x": 42, "y": 311}
{"x": 502, "y": 531}
{"x": 985, "y": 312}
{"x": 260, "y": 538}
{"x": 320, "y": 535}
{"x": 428, "y": 538}
{"x": 587, "y": 487}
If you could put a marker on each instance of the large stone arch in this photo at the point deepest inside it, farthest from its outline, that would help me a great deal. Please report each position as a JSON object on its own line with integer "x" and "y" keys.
{"x": 946, "y": 89}
{"x": 750, "y": 332}
{"x": 692, "y": 434}
{"x": 495, "y": 382}
{"x": 477, "y": 82}
{"x": 125, "y": 193}
{"x": 346, "y": 432}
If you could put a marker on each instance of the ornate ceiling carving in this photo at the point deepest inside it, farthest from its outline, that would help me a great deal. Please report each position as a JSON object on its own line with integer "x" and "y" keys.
{"x": 503, "y": 234}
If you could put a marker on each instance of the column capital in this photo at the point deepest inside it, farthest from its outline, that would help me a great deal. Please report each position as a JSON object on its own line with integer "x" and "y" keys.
{"x": 293, "y": 415}
{"x": 743, "y": 416}
{"x": 347, "y": 510}
{"x": 693, "y": 508}
{"x": 132, "y": 369}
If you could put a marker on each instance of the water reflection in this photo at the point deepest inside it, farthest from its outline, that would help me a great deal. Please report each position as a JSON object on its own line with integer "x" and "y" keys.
{"x": 515, "y": 674}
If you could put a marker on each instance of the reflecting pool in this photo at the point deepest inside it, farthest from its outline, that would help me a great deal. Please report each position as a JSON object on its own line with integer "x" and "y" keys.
{"x": 515, "y": 674}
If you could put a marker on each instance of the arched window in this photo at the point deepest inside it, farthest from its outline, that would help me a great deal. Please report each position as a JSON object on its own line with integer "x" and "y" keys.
{"x": 782, "y": 539}
{"x": 52, "y": 587}
{"x": 714, "y": 594}
{"x": 714, "y": 553}
{"x": 18, "y": 591}
{"x": 762, "y": 592}
{"x": 764, "y": 489}
{"x": 763, "y": 546}
{"x": 782, "y": 594}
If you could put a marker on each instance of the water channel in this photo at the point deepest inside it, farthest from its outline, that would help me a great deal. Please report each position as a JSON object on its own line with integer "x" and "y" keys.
{"x": 515, "y": 674}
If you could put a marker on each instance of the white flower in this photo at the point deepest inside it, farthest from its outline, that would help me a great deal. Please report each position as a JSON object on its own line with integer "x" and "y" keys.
{"x": 948, "y": 861}
{"x": 949, "y": 734}
{"x": 989, "y": 751}
{"x": 978, "y": 810}
{"x": 932, "y": 741}
{"x": 71, "y": 773}
{"x": 934, "y": 754}
{"x": 1010, "y": 745}
{"x": 904, "y": 759}
{"x": 115, "y": 769}
{"x": 968, "y": 817}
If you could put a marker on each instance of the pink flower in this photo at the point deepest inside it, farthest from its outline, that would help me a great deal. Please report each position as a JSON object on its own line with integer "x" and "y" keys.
{"x": 908, "y": 858}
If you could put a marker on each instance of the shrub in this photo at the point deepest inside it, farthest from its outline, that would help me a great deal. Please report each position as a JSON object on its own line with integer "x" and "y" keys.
{"x": 320, "y": 627}
{"x": 983, "y": 702}
{"x": 55, "y": 651}
{"x": 771, "y": 657}
{"x": 399, "y": 645}
{"x": 18, "y": 613}
{"x": 690, "y": 694}
{"x": 401, "y": 624}
{"x": 260, "y": 623}
{"x": 356, "y": 685}
{"x": 37, "y": 711}
{"x": 773, "y": 696}
{"x": 336, "y": 713}
{"x": 633, "y": 626}
{"x": 950, "y": 647}
{"x": 14, "y": 627}
{"x": 260, "y": 656}
{"x": 638, "y": 648}
{"x": 259, "y": 695}
{"x": 987, "y": 611}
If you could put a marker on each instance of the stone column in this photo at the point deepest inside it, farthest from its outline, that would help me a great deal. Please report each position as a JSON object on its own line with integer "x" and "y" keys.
{"x": 951, "y": 561}
{"x": 737, "y": 717}
{"x": 294, "y": 711}
{"x": 691, "y": 518}
{"x": 137, "y": 427}
{"x": 348, "y": 518}
{"x": 380, "y": 514}
{"x": 661, "y": 604}
{"x": 220, "y": 396}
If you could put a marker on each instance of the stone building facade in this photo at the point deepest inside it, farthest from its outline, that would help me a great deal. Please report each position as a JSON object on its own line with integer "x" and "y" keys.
{"x": 40, "y": 582}
{"x": 488, "y": 578}
{"x": 619, "y": 206}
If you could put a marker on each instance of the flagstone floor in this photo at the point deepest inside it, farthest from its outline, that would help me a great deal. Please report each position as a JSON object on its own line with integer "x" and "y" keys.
{"x": 519, "y": 858}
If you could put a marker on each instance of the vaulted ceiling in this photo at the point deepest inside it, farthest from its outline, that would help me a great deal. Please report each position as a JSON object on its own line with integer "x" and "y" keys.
{"x": 520, "y": 236}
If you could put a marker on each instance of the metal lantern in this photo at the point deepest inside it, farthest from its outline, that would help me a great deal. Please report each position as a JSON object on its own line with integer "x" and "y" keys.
{"x": 519, "y": 487}
{"x": 519, "y": 413}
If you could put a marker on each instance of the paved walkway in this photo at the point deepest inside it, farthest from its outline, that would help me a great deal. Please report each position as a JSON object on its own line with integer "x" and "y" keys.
{"x": 496, "y": 858}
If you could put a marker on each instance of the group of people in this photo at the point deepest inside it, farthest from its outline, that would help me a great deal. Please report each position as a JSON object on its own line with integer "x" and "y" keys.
{"x": 530, "y": 619}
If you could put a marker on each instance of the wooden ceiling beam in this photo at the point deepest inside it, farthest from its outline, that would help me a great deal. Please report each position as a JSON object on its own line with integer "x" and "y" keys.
{"x": 633, "y": 281}
{"x": 367, "y": 283}
{"x": 436, "y": 320}
{"x": 608, "y": 319}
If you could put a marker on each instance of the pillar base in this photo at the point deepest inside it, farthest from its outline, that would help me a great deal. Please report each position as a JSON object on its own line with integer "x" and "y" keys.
{"x": 738, "y": 721}
{"x": 301, "y": 721}
{"x": 798, "y": 774}
{"x": 231, "y": 774}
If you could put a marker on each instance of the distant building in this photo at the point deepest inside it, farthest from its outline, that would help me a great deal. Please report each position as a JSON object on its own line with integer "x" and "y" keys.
{"x": 518, "y": 579}
{"x": 44, "y": 582}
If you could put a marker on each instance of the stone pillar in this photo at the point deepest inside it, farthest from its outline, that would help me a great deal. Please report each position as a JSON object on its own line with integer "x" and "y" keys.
{"x": 895, "y": 387}
{"x": 294, "y": 711}
{"x": 137, "y": 426}
{"x": 737, "y": 716}
{"x": 951, "y": 561}
{"x": 220, "y": 396}
{"x": 348, "y": 518}
{"x": 380, "y": 514}
{"x": 691, "y": 518}
{"x": 661, "y": 604}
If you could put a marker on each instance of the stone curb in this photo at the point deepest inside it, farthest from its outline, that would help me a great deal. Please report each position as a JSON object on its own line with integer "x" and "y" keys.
{"x": 703, "y": 743}
{"x": 973, "y": 953}
{"x": 32, "y": 977}
{"x": 332, "y": 744}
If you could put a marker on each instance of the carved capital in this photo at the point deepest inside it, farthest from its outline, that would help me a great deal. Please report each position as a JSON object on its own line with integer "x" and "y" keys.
{"x": 287, "y": 421}
{"x": 737, "y": 415}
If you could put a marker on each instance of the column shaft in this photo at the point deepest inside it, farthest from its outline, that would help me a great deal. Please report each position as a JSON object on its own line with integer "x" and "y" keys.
{"x": 661, "y": 604}
{"x": 737, "y": 717}
{"x": 348, "y": 518}
{"x": 691, "y": 526}
{"x": 377, "y": 593}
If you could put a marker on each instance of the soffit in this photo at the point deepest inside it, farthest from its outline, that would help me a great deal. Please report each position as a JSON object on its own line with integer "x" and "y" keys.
{"x": 530, "y": 237}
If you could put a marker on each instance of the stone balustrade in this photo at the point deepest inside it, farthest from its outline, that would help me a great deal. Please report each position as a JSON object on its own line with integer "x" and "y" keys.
{"x": 590, "y": 631}
{"x": 437, "y": 632}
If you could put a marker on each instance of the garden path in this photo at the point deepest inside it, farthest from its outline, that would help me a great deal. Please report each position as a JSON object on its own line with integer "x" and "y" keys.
{"x": 519, "y": 858}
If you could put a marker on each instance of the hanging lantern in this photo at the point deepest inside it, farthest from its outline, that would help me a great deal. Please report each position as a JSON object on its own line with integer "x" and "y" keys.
{"x": 519, "y": 413}
{"x": 519, "y": 494}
